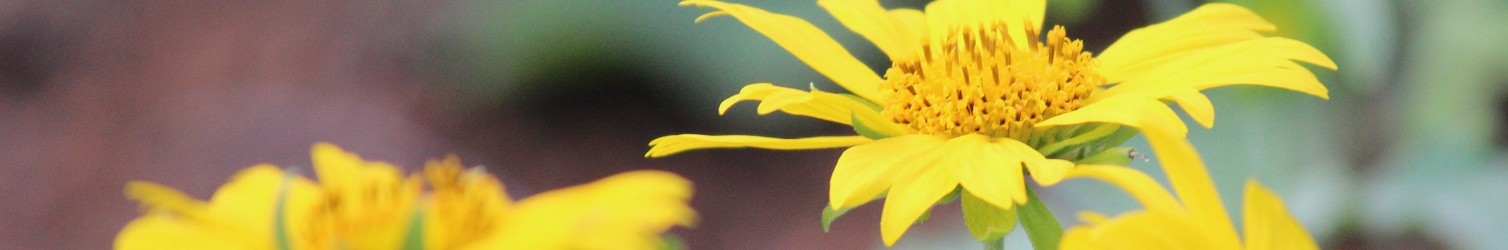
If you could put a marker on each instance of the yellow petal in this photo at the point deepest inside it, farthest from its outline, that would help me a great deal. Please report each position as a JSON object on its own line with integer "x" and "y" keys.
{"x": 815, "y": 103}
{"x": 1018, "y": 16}
{"x": 624, "y": 211}
{"x": 673, "y": 144}
{"x": 1091, "y": 217}
{"x": 158, "y": 198}
{"x": 863, "y": 172}
{"x": 1044, "y": 171}
{"x": 913, "y": 195}
{"x": 1029, "y": 13}
{"x": 1191, "y": 181}
{"x": 1267, "y": 223}
{"x": 1140, "y": 230}
{"x": 1209, "y": 25}
{"x": 1141, "y": 113}
{"x": 175, "y": 220}
{"x": 1270, "y": 62}
{"x": 988, "y": 170}
{"x": 1196, "y": 105}
{"x": 914, "y": 21}
{"x": 869, "y": 19}
{"x": 1140, "y": 186}
{"x": 809, "y": 44}
{"x": 241, "y": 213}
{"x": 250, "y": 197}
{"x": 335, "y": 167}
{"x": 167, "y": 232}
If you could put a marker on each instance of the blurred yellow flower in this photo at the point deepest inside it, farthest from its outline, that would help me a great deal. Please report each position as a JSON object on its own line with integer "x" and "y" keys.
{"x": 973, "y": 95}
{"x": 1199, "y": 222}
{"x": 358, "y": 204}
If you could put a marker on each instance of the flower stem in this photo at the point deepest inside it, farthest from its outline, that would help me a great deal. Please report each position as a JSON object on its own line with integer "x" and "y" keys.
{"x": 998, "y": 244}
{"x": 1041, "y": 227}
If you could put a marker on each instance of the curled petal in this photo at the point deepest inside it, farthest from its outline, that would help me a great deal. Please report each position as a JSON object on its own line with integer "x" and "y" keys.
{"x": 808, "y": 43}
{"x": 668, "y": 145}
{"x": 831, "y": 107}
{"x": 1141, "y": 187}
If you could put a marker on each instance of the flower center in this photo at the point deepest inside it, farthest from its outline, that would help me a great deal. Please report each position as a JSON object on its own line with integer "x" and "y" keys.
{"x": 978, "y": 81}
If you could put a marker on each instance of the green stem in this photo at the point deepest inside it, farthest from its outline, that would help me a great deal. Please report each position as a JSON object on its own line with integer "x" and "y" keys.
{"x": 1041, "y": 227}
{"x": 997, "y": 244}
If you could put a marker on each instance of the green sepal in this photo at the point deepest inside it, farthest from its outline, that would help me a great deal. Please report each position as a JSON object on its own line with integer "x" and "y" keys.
{"x": 829, "y": 214}
{"x": 861, "y": 100}
{"x": 946, "y": 199}
{"x": 1079, "y": 139}
{"x": 925, "y": 216}
{"x": 1041, "y": 227}
{"x": 865, "y": 129}
{"x": 414, "y": 240}
{"x": 280, "y": 213}
{"x": 672, "y": 242}
{"x": 1119, "y": 137}
{"x": 988, "y": 223}
{"x": 1088, "y": 141}
{"x": 1120, "y": 156}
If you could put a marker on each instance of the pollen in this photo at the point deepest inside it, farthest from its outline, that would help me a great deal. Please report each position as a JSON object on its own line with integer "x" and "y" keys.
{"x": 978, "y": 81}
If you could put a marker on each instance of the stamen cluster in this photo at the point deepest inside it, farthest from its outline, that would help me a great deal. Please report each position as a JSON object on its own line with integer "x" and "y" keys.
{"x": 978, "y": 81}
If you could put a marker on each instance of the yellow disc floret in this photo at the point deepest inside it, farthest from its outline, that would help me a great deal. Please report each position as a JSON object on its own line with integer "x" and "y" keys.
{"x": 978, "y": 81}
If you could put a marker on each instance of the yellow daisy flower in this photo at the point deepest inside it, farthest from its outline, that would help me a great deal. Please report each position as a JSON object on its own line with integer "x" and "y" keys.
{"x": 1199, "y": 222}
{"x": 358, "y": 204}
{"x": 973, "y": 95}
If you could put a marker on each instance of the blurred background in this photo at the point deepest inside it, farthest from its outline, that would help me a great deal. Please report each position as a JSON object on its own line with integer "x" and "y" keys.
{"x": 1406, "y": 154}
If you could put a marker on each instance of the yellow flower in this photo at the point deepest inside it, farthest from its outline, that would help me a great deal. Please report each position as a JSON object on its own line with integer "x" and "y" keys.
{"x": 464, "y": 205}
{"x": 370, "y": 205}
{"x": 973, "y": 95}
{"x": 1199, "y": 222}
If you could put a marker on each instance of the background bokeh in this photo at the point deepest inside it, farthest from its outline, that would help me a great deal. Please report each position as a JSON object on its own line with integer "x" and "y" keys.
{"x": 1408, "y": 153}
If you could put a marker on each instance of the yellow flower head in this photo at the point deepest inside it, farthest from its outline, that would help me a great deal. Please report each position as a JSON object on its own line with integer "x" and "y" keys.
{"x": 1198, "y": 222}
{"x": 464, "y": 206}
{"x": 357, "y": 204}
{"x": 975, "y": 94}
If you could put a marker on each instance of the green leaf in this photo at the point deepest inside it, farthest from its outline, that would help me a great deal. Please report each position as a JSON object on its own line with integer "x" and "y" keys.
{"x": 988, "y": 223}
{"x": 1120, "y": 156}
{"x": 1041, "y": 227}
{"x": 829, "y": 214}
